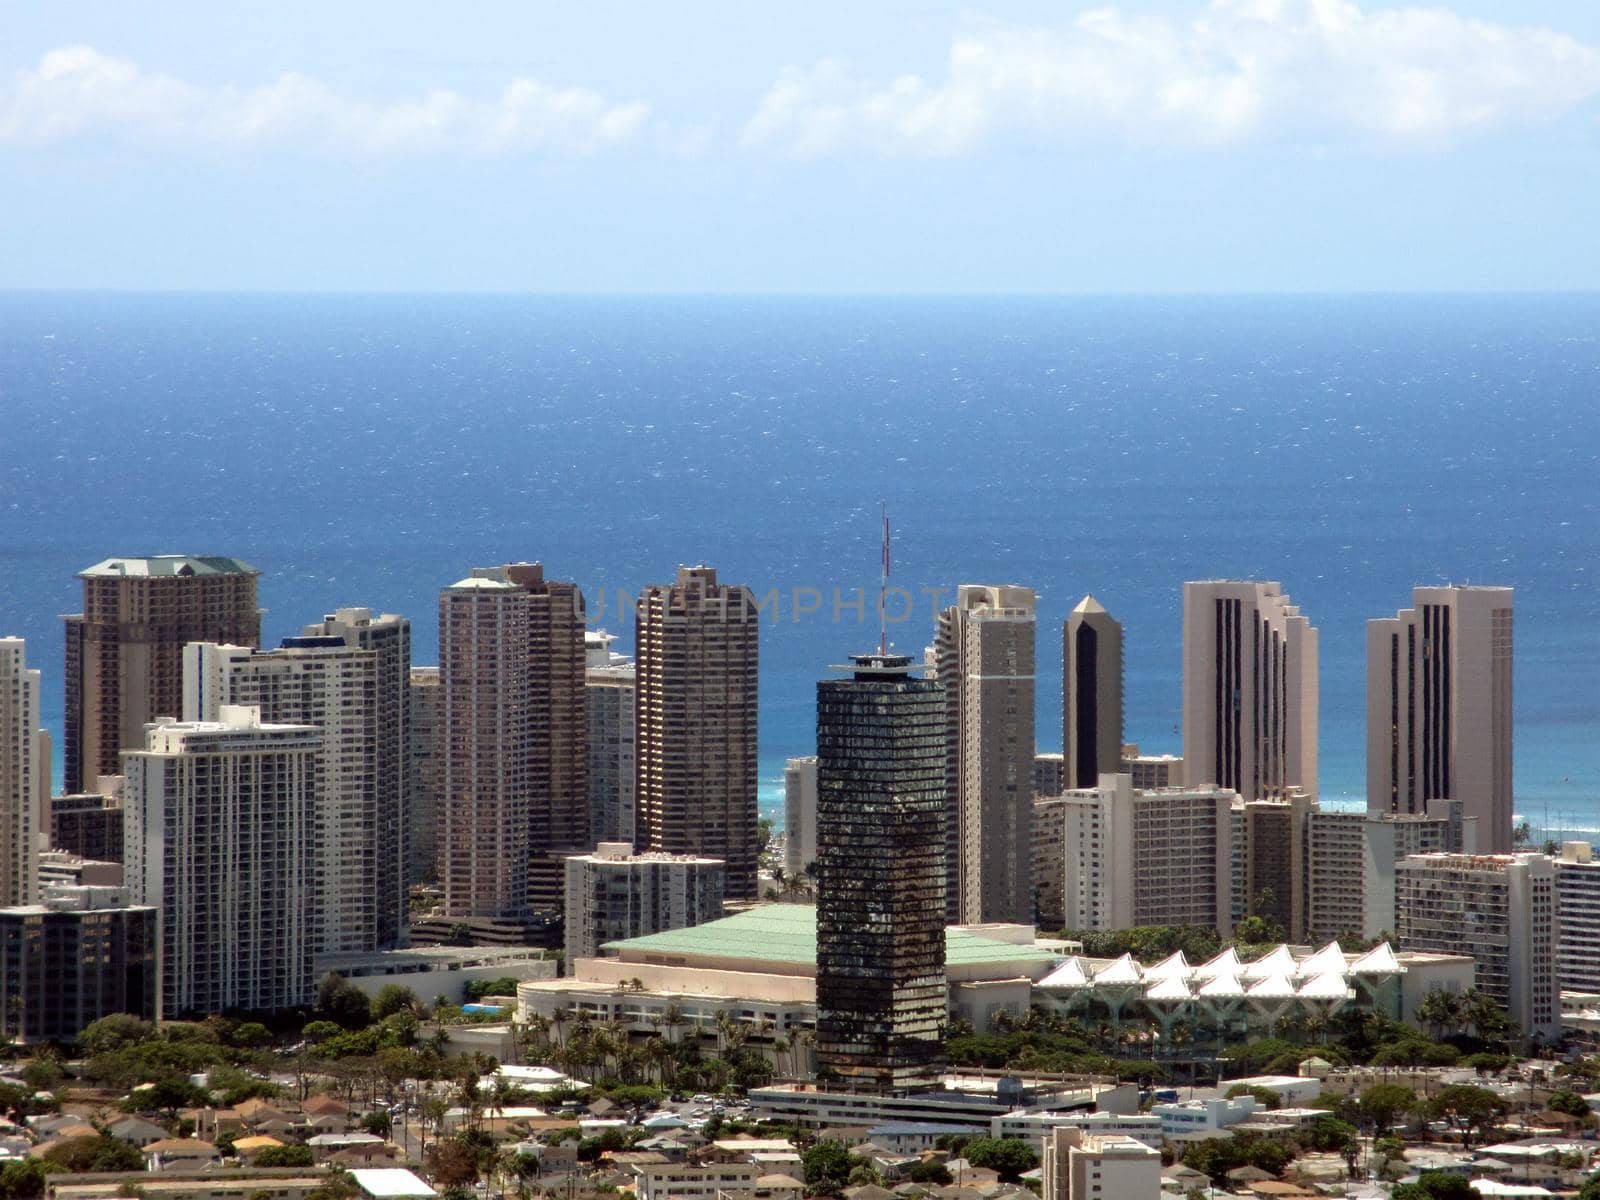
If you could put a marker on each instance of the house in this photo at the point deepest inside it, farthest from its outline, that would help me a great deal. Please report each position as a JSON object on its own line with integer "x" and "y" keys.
{"x": 137, "y": 1131}
{"x": 248, "y": 1147}
{"x": 260, "y": 1117}
{"x": 325, "y": 1114}
{"x": 181, "y": 1154}
{"x": 325, "y": 1145}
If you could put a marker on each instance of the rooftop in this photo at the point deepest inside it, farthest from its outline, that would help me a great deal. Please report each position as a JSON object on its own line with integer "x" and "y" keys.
{"x": 787, "y": 933}
{"x": 164, "y": 565}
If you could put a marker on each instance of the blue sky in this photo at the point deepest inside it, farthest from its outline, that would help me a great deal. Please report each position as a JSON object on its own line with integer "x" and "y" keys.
{"x": 1205, "y": 145}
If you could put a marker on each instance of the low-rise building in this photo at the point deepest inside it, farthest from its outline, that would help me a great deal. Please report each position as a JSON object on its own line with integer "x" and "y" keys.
{"x": 1084, "y": 1166}
{"x": 435, "y": 973}
{"x": 693, "y": 1181}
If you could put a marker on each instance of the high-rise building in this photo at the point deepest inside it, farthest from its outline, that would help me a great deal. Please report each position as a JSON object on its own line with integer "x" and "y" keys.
{"x": 1391, "y": 838}
{"x": 90, "y": 825}
{"x": 427, "y": 773}
{"x": 1439, "y": 707}
{"x": 697, "y": 651}
{"x": 1273, "y": 884}
{"x": 1049, "y": 774}
{"x": 1150, "y": 771}
{"x": 1578, "y": 918}
{"x": 124, "y": 664}
{"x": 983, "y": 655}
{"x": 80, "y": 954}
{"x": 799, "y": 814}
{"x": 1091, "y": 701}
{"x": 615, "y": 894}
{"x": 1335, "y": 874}
{"x": 609, "y": 683}
{"x": 881, "y": 990}
{"x": 220, "y": 836}
{"x": 1249, "y": 690}
{"x": 1501, "y": 909}
{"x": 24, "y": 773}
{"x": 1085, "y": 1166}
{"x": 1118, "y": 857}
{"x": 484, "y": 667}
{"x": 388, "y": 637}
{"x": 516, "y": 793}
{"x": 324, "y": 682}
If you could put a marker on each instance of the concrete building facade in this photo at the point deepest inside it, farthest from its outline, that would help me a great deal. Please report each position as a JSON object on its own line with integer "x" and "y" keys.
{"x": 799, "y": 814}
{"x": 427, "y": 772}
{"x": 80, "y": 954}
{"x": 1249, "y": 690}
{"x": 697, "y": 653}
{"x": 1501, "y": 909}
{"x": 1086, "y": 1166}
{"x": 1392, "y": 838}
{"x": 1273, "y": 883}
{"x": 1091, "y": 699}
{"x": 983, "y": 655}
{"x": 614, "y": 894}
{"x": 124, "y": 664}
{"x": 1578, "y": 918}
{"x": 24, "y": 773}
{"x": 1335, "y": 875}
{"x": 89, "y": 825}
{"x": 220, "y": 836}
{"x": 1130, "y": 858}
{"x": 882, "y": 1000}
{"x": 610, "y": 686}
{"x": 1151, "y": 771}
{"x": 1439, "y": 708}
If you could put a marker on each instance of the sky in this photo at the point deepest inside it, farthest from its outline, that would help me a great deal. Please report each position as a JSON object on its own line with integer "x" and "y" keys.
{"x": 1131, "y": 146}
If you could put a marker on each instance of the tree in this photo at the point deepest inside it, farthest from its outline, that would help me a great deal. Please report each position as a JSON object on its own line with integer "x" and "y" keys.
{"x": 827, "y": 1168}
{"x": 284, "y": 1156}
{"x": 935, "y": 1173}
{"x": 340, "y": 1000}
{"x": 1590, "y": 1190}
{"x": 1435, "y": 1185}
{"x": 378, "y": 1123}
{"x": 114, "y": 1032}
{"x": 393, "y": 998}
{"x": 1386, "y": 1105}
{"x": 1010, "y": 1158}
{"x": 454, "y": 1163}
{"x": 22, "y": 1180}
{"x": 1568, "y": 1101}
{"x": 1468, "y": 1108}
{"x": 1441, "y": 1010}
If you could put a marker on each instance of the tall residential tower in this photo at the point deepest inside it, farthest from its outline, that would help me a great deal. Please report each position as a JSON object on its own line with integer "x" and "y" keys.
{"x": 881, "y": 989}
{"x": 697, "y": 653}
{"x": 24, "y": 774}
{"x": 1439, "y": 708}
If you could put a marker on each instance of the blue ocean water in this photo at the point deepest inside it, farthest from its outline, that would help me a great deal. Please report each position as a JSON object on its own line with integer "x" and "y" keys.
{"x": 367, "y": 450}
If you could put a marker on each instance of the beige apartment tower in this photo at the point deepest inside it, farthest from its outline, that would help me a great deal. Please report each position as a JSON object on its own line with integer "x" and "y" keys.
{"x": 124, "y": 652}
{"x": 1439, "y": 708}
{"x": 24, "y": 774}
{"x": 696, "y": 651}
{"x": 1249, "y": 690}
{"x": 609, "y": 686}
{"x": 983, "y": 655}
{"x": 1091, "y": 701}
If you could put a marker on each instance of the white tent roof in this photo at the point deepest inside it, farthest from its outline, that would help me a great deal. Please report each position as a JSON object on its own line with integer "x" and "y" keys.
{"x": 1123, "y": 971}
{"x": 1277, "y": 961}
{"x": 1223, "y": 986}
{"x": 1380, "y": 960}
{"x": 1226, "y": 963}
{"x": 1175, "y": 966}
{"x": 1330, "y": 986}
{"x": 1169, "y": 989}
{"x": 1070, "y": 974}
{"x": 1276, "y": 987}
{"x": 1329, "y": 960}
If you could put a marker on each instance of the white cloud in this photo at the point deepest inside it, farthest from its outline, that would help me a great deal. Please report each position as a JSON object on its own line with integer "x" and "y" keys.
{"x": 1236, "y": 70}
{"x": 78, "y": 91}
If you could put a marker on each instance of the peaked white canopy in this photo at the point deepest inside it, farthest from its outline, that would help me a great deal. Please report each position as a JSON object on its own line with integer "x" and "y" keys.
{"x": 1277, "y": 961}
{"x": 1330, "y": 959}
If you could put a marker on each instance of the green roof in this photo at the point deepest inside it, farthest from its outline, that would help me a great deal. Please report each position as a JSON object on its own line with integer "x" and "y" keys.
{"x": 168, "y": 564}
{"x": 787, "y": 933}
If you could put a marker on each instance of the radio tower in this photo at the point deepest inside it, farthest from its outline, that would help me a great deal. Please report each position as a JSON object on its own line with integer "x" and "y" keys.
{"x": 883, "y": 585}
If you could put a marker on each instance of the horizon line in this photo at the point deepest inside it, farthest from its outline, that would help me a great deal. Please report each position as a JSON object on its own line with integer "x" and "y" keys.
{"x": 814, "y": 294}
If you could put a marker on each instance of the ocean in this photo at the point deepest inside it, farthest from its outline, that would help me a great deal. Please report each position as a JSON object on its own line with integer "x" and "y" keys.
{"x": 369, "y": 450}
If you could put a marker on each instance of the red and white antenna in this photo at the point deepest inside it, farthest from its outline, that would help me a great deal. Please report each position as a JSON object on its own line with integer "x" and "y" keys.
{"x": 883, "y": 585}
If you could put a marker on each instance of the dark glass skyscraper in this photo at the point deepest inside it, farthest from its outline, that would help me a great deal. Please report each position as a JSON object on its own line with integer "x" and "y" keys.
{"x": 881, "y": 993}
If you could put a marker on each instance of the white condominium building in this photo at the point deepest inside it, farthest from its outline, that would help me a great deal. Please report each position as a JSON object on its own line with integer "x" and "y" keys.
{"x": 220, "y": 835}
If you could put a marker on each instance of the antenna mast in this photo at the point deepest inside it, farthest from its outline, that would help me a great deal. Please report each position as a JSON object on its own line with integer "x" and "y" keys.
{"x": 883, "y": 585}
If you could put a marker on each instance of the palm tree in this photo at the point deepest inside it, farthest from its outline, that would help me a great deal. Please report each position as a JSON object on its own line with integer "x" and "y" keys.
{"x": 672, "y": 1017}
{"x": 1441, "y": 1010}
{"x": 559, "y": 1018}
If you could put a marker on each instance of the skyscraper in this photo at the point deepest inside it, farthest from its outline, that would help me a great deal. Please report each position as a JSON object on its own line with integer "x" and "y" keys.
{"x": 799, "y": 815}
{"x": 881, "y": 989}
{"x": 1091, "y": 702}
{"x": 483, "y": 669}
{"x": 24, "y": 774}
{"x": 1439, "y": 708}
{"x": 983, "y": 655}
{"x": 323, "y": 682}
{"x": 388, "y": 637}
{"x": 697, "y": 651}
{"x": 427, "y": 773}
{"x": 124, "y": 652}
{"x": 515, "y": 800}
{"x": 220, "y": 836}
{"x": 609, "y": 685}
{"x": 614, "y": 894}
{"x": 1249, "y": 690}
